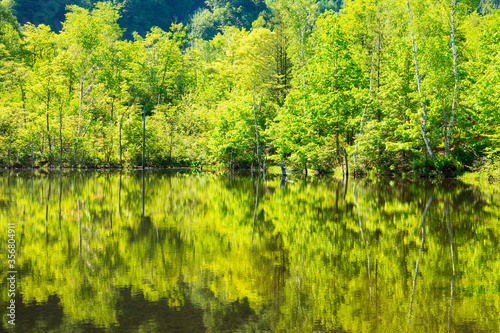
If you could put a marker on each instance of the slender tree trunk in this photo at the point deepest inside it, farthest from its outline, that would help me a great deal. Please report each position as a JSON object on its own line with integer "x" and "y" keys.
{"x": 32, "y": 162}
{"x": 60, "y": 136}
{"x": 144, "y": 138}
{"x": 424, "y": 111}
{"x": 455, "y": 89}
{"x": 110, "y": 152}
{"x": 346, "y": 165}
{"x": 171, "y": 143}
{"x": 80, "y": 111}
{"x": 48, "y": 128}
{"x": 231, "y": 160}
{"x": 256, "y": 128}
{"x": 8, "y": 156}
{"x": 337, "y": 140}
{"x": 22, "y": 98}
{"x": 253, "y": 156}
{"x": 342, "y": 164}
{"x": 120, "y": 139}
{"x": 305, "y": 168}
{"x": 364, "y": 111}
{"x": 283, "y": 169}
{"x": 120, "y": 131}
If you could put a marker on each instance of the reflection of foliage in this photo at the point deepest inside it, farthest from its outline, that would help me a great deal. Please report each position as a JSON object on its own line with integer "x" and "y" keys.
{"x": 315, "y": 261}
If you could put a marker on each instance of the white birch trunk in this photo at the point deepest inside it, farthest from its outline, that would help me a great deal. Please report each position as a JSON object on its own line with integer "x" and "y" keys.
{"x": 455, "y": 89}
{"x": 256, "y": 129}
{"x": 81, "y": 101}
{"x": 424, "y": 111}
{"x": 366, "y": 106}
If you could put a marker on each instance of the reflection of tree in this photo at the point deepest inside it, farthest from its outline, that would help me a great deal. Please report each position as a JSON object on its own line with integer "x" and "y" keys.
{"x": 193, "y": 258}
{"x": 422, "y": 227}
{"x": 364, "y": 240}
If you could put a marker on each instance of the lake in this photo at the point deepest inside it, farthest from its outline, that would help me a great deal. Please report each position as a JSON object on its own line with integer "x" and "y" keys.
{"x": 108, "y": 251}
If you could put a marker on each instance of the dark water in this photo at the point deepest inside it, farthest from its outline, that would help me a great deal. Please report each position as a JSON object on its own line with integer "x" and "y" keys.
{"x": 206, "y": 252}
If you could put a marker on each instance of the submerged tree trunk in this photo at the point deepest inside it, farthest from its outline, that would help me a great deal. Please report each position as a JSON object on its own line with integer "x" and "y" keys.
{"x": 424, "y": 111}
{"x": 455, "y": 89}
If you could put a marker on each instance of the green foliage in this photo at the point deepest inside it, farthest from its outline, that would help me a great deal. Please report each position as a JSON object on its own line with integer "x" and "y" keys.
{"x": 319, "y": 81}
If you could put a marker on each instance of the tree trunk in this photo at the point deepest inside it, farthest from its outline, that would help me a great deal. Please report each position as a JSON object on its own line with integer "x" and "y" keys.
{"x": 22, "y": 98}
{"x": 32, "y": 162}
{"x": 48, "y": 130}
{"x": 283, "y": 169}
{"x": 144, "y": 138}
{"x": 8, "y": 156}
{"x": 256, "y": 128}
{"x": 80, "y": 111}
{"x": 305, "y": 168}
{"x": 337, "y": 140}
{"x": 424, "y": 111}
{"x": 253, "y": 156}
{"x": 60, "y": 197}
{"x": 455, "y": 89}
{"x": 366, "y": 106}
{"x": 231, "y": 161}
{"x": 346, "y": 165}
{"x": 120, "y": 131}
{"x": 60, "y": 136}
{"x": 120, "y": 139}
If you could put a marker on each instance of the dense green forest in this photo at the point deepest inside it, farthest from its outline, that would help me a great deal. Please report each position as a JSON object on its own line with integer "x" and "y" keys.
{"x": 401, "y": 86}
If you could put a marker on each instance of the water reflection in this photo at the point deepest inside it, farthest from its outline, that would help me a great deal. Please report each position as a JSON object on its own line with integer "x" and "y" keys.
{"x": 157, "y": 251}
{"x": 422, "y": 228}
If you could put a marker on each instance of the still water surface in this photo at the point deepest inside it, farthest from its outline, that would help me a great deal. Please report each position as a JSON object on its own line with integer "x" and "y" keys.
{"x": 184, "y": 252}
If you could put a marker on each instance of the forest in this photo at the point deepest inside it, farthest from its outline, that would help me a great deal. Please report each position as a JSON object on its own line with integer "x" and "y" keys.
{"x": 401, "y": 86}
